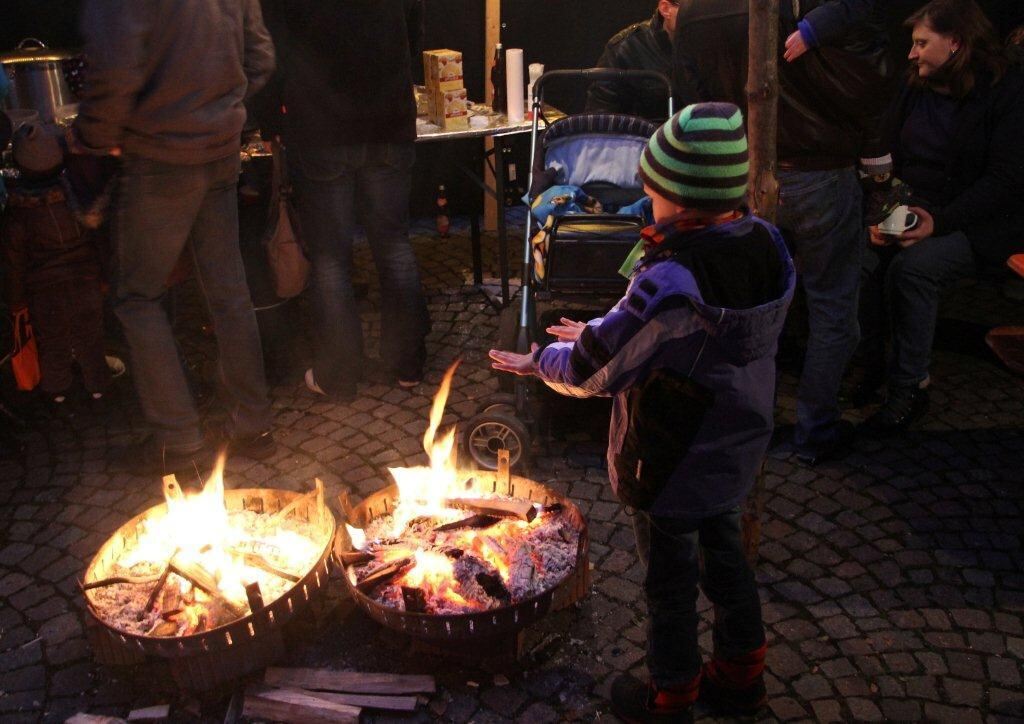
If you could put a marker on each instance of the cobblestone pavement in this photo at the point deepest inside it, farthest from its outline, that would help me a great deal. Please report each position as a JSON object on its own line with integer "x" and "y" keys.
{"x": 892, "y": 580}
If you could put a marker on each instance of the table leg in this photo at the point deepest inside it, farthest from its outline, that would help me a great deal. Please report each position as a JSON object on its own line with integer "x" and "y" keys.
{"x": 474, "y": 239}
{"x": 501, "y": 173}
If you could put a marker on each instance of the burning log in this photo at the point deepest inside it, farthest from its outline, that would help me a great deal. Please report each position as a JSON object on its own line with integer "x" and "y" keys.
{"x": 415, "y": 599}
{"x": 160, "y": 581}
{"x": 315, "y": 494}
{"x": 254, "y": 596}
{"x": 384, "y": 575}
{"x": 251, "y": 558}
{"x": 103, "y": 582}
{"x": 356, "y": 558}
{"x": 204, "y": 580}
{"x": 521, "y": 509}
{"x": 493, "y": 585}
{"x": 522, "y": 571}
{"x": 474, "y": 521}
{"x": 357, "y": 682}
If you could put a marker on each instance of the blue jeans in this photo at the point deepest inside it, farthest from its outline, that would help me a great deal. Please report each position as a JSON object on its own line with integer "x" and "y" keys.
{"x": 334, "y": 186}
{"x": 160, "y": 209}
{"x": 820, "y": 215}
{"x": 669, "y": 548}
{"x": 912, "y": 280}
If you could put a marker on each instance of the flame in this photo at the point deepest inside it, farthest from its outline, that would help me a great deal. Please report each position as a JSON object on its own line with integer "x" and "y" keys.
{"x": 196, "y": 528}
{"x": 423, "y": 490}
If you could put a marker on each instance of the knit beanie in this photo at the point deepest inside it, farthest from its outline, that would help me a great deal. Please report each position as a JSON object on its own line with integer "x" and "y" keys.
{"x": 36, "y": 151}
{"x": 698, "y": 159}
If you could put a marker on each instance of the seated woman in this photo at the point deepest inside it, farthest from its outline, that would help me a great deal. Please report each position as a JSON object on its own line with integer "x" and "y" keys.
{"x": 955, "y": 135}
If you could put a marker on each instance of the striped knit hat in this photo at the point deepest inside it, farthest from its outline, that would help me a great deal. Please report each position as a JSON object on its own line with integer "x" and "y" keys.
{"x": 698, "y": 159}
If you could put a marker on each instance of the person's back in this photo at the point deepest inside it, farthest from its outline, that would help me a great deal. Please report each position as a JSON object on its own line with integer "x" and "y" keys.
{"x": 641, "y": 46}
{"x": 348, "y": 69}
{"x": 191, "y": 65}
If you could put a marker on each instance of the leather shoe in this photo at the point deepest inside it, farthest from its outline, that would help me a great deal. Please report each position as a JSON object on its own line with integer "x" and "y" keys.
{"x": 901, "y": 408}
{"x": 814, "y": 453}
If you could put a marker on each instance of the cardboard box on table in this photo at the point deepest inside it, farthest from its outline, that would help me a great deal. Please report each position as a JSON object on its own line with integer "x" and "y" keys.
{"x": 442, "y": 70}
{"x": 449, "y": 109}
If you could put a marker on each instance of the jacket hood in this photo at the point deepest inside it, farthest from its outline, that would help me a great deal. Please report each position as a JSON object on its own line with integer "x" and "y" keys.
{"x": 743, "y": 335}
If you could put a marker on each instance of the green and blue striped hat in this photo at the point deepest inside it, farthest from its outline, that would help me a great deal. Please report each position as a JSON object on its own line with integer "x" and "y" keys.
{"x": 698, "y": 159}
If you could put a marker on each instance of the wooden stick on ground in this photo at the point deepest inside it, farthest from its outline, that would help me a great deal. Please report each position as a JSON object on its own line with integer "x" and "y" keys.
{"x": 366, "y": 701}
{"x": 521, "y": 509}
{"x": 355, "y": 682}
{"x": 297, "y": 707}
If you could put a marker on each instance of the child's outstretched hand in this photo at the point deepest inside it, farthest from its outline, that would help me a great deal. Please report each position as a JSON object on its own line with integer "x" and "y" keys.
{"x": 518, "y": 364}
{"x": 568, "y": 331}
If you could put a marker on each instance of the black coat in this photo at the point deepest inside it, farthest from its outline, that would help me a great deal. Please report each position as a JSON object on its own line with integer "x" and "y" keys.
{"x": 831, "y": 100}
{"x": 641, "y": 46}
{"x": 984, "y": 186}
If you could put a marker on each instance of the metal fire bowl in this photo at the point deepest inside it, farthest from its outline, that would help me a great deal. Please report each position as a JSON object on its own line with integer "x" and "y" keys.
{"x": 209, "y": 659}
{"x": 495, "y": 622}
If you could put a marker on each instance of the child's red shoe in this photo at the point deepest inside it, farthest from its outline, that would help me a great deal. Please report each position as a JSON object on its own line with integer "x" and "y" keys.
{"x": 635, "y": 702}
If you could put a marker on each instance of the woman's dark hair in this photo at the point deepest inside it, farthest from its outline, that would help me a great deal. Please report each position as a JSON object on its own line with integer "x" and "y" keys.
{"x": 980, "y": 51}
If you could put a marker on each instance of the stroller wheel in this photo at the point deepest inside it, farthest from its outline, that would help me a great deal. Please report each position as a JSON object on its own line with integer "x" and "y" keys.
{"x": 498, "y": 402}
{"x": 488, "y": 432}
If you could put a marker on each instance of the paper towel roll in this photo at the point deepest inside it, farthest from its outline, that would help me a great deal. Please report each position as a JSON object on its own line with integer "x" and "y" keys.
{"x": 514, "y": 84}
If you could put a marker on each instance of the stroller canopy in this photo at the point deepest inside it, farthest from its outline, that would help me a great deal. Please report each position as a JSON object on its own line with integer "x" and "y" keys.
{"x": 593, "y": 148}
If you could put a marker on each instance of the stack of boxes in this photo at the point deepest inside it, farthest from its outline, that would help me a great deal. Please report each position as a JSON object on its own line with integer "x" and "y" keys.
{"x": 448, "y": 106}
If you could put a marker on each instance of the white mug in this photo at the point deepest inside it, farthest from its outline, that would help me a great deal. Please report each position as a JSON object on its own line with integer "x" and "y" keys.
{"x": 901, "y": 219}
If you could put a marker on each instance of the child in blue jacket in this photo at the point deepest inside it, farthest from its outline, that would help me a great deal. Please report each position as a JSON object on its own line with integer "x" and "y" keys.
{"x": 689, "y": 356}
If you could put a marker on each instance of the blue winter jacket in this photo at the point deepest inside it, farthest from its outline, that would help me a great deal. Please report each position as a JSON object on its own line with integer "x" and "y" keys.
{"x": 694, "y": 384}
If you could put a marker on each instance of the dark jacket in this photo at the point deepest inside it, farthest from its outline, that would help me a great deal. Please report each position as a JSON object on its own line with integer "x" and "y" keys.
{"x": 347, "y": 67}
{"x": 693, "y": 380}
{"x": 167, "y": 78}
{"x": 831, "y": 100}
{"x": 42, "y": 243}
{"x": 985, "y": 172}
{"x": 641, "y": 46}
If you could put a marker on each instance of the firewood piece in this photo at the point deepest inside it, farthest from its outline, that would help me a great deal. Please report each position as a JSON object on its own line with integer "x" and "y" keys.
{"x": 201, "y": 578}
{"x": 493, "y": 585}
{"x": 355, "y": 558}
{"x": 474, "y": 521}
{"x": 353, "y": 682}
{"x": 522, "y": 572}
{"x": 346, "y": 507}
{"x": 280, "y": 515}
{"x": 164, "y": 629}
{"x": 415, "y": 599}
{"x": 521, "y": 509}
{"x": 160, "y": 581}
{"x": 81, "y": 718}
{"x": 150, "y": 713}
{"x": 504, "y": 471}
{"x": 385, "y": 574}
{"x": 552, "y": 508}
{"x": 366, "y": 701}
{"x": 251, "y": 558}
{"x": 135, "y": 580}
{"x": 254, "y": 596}
{"x": 172, "y": 490}
{"x": 297, "y": 707}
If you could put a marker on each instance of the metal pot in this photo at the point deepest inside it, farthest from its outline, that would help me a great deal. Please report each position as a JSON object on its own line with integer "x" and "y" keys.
{"x": 37, "y": 79}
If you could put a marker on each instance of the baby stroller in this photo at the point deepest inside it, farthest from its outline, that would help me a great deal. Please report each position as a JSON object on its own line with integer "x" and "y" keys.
{"x": 573, "y": 271}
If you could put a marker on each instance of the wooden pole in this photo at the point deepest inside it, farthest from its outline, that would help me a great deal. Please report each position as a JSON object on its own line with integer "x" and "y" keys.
{"x": 762, "y": 132}
{"x": 492, "y": 36}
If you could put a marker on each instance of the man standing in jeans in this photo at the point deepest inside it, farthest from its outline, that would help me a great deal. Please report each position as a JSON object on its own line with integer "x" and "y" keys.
{"x": 831, "y": 99}
{"x": 350, "y": 128}
{"x": 165, "y": 91}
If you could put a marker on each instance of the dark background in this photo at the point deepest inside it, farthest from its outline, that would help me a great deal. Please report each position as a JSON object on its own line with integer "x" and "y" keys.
{"x": 560, "y": 35}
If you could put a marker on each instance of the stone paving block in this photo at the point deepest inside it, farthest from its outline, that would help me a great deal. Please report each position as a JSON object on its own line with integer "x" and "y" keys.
{"x": 954, "y": 715}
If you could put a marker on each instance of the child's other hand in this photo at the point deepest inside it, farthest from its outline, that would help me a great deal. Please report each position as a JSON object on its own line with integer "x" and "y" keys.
{"x": 518, "y": 364}
{"x": 795, "y": 47}
{"x": 568, "y": 331}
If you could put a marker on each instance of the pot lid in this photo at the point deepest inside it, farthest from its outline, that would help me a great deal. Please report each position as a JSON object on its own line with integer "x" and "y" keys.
{"x": 31, "y": 50}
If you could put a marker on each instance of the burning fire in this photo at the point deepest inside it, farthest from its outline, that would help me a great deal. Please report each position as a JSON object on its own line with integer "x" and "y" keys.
{"x": 198, "y": 530}
{"x": 427, "y": 493}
